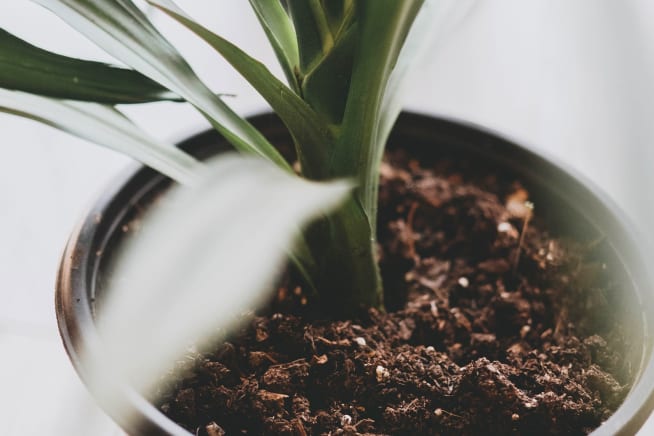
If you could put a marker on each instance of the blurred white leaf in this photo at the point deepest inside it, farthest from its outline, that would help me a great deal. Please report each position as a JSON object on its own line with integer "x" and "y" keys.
{"x": 206, "y": 255}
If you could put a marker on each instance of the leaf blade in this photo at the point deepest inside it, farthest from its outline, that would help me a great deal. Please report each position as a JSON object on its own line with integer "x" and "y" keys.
{"x": 281, "y": 34}
{"x": 314, "y": 36}
{"x": 312, "y": 136}
{"x": 122, "y": 30}
{"x": 25, "y": 67}
{"x": 105, "y": 126}
{"x": 433, "y": 20}
{"x": 384, "y": 25}
{"x": 326, "y": 86}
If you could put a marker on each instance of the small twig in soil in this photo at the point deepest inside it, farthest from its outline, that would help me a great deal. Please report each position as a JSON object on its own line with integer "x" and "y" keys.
{"x": 408, "y": 406}
{"x": 530, "y": 206}
{"x": 409, "y": 227}
{"x": 560, "y": 323}
{"x": 364, "y": 421}
{"x": 439, "y": 412}
{"x": 338, "y": 343}
{"x": 300, "y": 427}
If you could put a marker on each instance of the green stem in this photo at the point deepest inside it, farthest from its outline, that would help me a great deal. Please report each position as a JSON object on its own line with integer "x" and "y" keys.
{"x": 348, "y": 279}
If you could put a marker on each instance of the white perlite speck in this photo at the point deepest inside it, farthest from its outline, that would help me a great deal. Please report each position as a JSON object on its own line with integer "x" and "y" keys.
{"x": 360, "y": 341}
{"x": 464, "y": 282}
{"x": 504, "y": 227}
{"x": 381, "y": 373}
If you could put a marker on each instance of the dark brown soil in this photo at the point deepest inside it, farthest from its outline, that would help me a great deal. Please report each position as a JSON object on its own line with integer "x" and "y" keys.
{"x": 501, "y": 327}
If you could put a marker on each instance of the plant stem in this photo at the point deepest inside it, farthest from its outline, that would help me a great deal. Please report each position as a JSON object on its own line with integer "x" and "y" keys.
{"x": 348, "y": 279}
{"x": 530, "y": 210}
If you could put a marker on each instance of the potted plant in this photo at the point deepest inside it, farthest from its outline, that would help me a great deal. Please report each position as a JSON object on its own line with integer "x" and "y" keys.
{"x": 496, "y": 319}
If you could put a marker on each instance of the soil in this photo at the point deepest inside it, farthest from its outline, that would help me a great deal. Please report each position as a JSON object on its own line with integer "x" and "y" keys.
{"x": 498, "y": 323}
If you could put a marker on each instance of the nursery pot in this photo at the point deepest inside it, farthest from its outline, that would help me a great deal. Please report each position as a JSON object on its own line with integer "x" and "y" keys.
{"x": 568, "y": 197}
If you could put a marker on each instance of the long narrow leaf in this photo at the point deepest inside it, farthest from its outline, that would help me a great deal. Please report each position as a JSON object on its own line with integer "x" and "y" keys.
{"x": 281, "y": 34}
{"x": 326, "y": 86}
{"x": 238, "y": 223}
{"x": 25, "y": 67}
{"x": 384, "y": 25}
{"x": 428, "y": 25}
{"x": 417, "y": 38}
{"x": 121, "y": 29}
{"x": 308, "y": 130}
{"x": 335, "y": 11}
{"x": 314, "y": 36}
{"x": 326, "y": 83}
{"x": 105, "y": 126}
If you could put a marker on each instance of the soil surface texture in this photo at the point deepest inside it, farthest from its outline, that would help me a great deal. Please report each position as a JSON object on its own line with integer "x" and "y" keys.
{"x": 497, "y": 324}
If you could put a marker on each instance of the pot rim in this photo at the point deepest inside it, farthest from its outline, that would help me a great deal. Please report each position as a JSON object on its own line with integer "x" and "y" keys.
{"x": 78, "y": 270}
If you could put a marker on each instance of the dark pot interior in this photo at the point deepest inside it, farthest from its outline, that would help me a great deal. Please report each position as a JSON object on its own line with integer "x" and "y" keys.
{"x": 568, "y": 201}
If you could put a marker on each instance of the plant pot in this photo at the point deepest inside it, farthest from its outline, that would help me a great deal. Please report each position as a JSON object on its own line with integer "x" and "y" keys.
{"x": 567, "y": 199}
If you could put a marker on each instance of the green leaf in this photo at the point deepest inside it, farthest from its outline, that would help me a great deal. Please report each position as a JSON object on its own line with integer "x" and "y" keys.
{"x": 334, "y": 11}
{"x": 222, "y": 265}
{"x": 326, "y": 86}
{"x": 383, "y": 26}
{"x": 314, "y": 36}
{"x": 121, "y": 29}
{"x": 310, "y": 133}
{"x": 105, "y": 126}
{"x": 25, "y": 67}
{"x": 435, "y": 18}
{"x": 325, "y": 81}
{"x": 281, "y": 34}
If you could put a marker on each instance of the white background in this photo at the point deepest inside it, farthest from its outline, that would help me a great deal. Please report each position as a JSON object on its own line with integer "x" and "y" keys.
{"x": 573, "y": 78}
